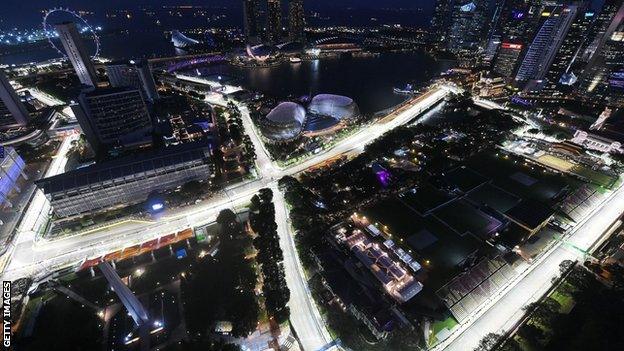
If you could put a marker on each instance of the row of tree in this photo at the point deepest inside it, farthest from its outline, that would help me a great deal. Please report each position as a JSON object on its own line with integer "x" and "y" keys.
{"x": 596, "y": 321}
{"x": 270, "y": 256}
{"x": 236, "y": 131}
{"x": 222, "y": 288}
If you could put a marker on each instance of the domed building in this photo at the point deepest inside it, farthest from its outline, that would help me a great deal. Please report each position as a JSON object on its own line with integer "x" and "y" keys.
{"x": 285, "y": 122}
{"x": 335, "y": 106}
{"x": 325, "y": 114}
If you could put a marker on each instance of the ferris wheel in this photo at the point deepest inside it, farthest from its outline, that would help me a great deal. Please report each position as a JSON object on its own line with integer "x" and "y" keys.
{"x": 58, "y": 15}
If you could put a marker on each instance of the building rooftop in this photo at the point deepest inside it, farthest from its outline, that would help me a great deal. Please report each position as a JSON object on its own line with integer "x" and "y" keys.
{"x": 530, "y": 213}
{"x": 125, "y": 166}
{"x": 396, "y": 280}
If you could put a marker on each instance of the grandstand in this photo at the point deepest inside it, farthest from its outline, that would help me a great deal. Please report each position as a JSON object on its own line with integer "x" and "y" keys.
{"x": 470, "y": 290}
{"x": 580, "y": 202}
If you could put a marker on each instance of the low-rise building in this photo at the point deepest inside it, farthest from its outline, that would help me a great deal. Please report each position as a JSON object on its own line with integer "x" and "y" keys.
{"x": 597, "y": 141}
{"x": 127, "y": 180}
{"x": 489, "y": 87}
{"x": 396, "y": 280}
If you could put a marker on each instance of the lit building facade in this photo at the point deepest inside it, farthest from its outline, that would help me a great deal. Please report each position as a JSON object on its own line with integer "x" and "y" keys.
{"x": 561, "y": 76}
{"x": 441, "y": 23}
{"x": 296, "y": 21}
{"x": 128, "y": 180}
{"x": 468, "y": 21}
{"x": 489, "y": 87}
{"x": 12, "y": 111}
{"x": 251, "y": 18}
{"x": 11, "y": 173}
{"x": 114, "y": 118}
{"x": 516, "y": 25}
{"x": 507, "y": 58}
{"x": 274, "y": 21}
{"x": 546, "y": 43}
{"x": 603, "y": 78}
{"x": 77, "y": 53}
{"x": 133, "y": 74}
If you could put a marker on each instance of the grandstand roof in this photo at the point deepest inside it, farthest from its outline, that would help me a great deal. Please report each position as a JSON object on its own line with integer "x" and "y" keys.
{"x": 530, "y": 213}
{"x": 125, "y": 166}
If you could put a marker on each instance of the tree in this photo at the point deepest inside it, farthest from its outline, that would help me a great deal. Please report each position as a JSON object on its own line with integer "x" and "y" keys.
{"x": 544, "y": 311}
{"x": 532, "y": 334}
{"x": 223, "y": 288}
{"x": 510, "y": 345}
{"x": 565, "y": 266}
{"x": 192, "y": 188}
{"x": 488, "y": 342}
{"x": 266, "y": 195}
{"x": 270, "y": 255}
{"x": 226, "y": 217}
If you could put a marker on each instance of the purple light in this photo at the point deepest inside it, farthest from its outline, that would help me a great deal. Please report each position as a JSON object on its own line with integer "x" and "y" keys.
{"x": 616, "y": 80}
{"x": 515, "y": 14}
{"x": 196, "y": 61}
{"x": 384, "y": 177}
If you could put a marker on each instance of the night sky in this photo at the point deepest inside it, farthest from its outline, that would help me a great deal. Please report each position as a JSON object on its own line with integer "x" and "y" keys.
{"x": 26, "y": 13}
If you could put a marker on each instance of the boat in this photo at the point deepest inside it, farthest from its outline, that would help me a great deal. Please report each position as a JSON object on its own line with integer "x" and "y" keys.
{"x": 408, "y": 89}
{"x": 295, "y": 60}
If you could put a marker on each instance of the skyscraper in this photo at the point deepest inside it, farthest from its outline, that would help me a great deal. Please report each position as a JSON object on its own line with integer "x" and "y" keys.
{"x": 441, "y": 23}
{"x": 274, "y": 21}
{"x": 114, "y": 118}
{"x": 507, "y": 57}
{"x": 516, "y": 25}
{"x": 561, "y": 73}
{"x": 136, "y": 74}
{"x": 12, "y": 111}
{"x": 546, "y": 43}
{"x": 296, "y": 21}
{"x": 605, "y": 19}
{"x": 77, "y": 53}
{"x": 251, "y": 14}
{"x": 468, "y": 22}
{"x": 603, "y": 78}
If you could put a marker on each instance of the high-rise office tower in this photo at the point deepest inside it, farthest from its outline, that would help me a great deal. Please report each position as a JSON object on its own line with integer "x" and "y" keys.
{"x": 546, "y": 43}
{"x": 12, "y": 111}
{"x": 561, "y": 74}
{"x": 469, "y": 19}
{"x": 441, "y": 23}
{"x": 516, "y": 25}
{"x": 519, "y": 18}
{"x": 491, "y": 49}
{"x": 604, "y": 72}
{"x": 251, "y": 17}
{"x": 507, "y": 58}
{"x": 135, "y": 74}
{"x": 114, "y": 118}
{"x": 77, "y": 53}
{"x": 274, "y": 21}
{"x": 493, "y": 38}
{"x": 614, "y": 62}
{"x": 296, "y": 21}
{"x": 605, "y": 18}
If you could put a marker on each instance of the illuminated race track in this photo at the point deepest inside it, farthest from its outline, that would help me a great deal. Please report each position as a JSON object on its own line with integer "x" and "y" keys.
{"x": 33, "y": 257}
{"x": 38, "y": 257}
{"x": 506, "y": 309}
